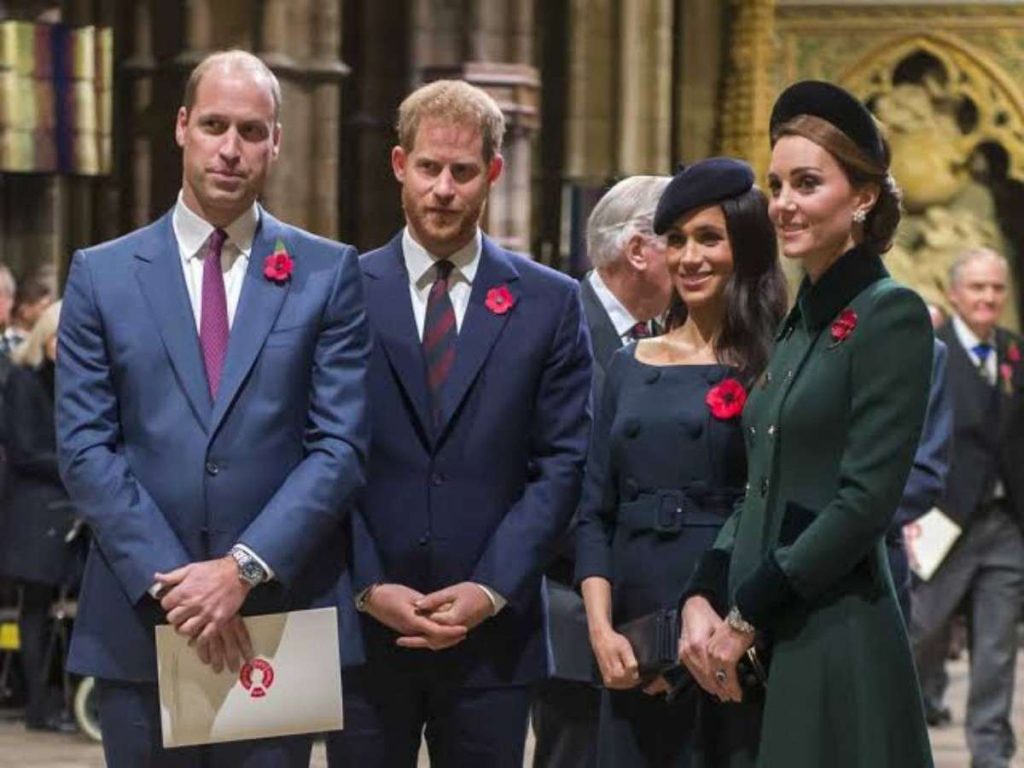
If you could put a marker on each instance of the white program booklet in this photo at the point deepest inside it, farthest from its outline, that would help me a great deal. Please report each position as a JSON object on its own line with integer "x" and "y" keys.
{"x": 292, "y": 685}
{"x": 928, "y": 540}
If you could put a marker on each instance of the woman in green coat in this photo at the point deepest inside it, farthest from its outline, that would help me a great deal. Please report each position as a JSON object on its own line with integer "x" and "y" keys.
{"x": 831, "y": 429}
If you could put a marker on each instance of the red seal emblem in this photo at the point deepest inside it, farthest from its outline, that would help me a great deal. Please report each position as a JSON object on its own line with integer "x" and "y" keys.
{"x": 500, "y": 300}
{"x": 278, "y": 265}
{"x": 726, "y": 400}
{"x": 843, "y": 326}
{"x": 256, "y": 677}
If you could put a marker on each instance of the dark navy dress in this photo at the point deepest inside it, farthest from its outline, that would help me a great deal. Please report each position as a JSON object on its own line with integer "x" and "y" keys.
{"x": 662, "y": 476}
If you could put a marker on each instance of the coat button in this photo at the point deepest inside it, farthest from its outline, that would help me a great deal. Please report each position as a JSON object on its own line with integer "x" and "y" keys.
{"x": 652, "y": 376}
{"x": 771, "y": 430}
{"x": 746, "y": 488}
{"x": 764, "y": 487}
{"x": 437, "y": 479}
{"x": 212, "y": 468}
{"x": 424, "y": 540}
{"x": 632, "y": 429}
{"x": 753, "y": 431}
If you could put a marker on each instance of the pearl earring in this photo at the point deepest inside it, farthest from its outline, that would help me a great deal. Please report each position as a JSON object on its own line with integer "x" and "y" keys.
{"x": 859, "y": 216}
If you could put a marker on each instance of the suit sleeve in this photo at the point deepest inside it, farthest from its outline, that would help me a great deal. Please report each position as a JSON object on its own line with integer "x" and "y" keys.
{"x": 886, "y": 413}
{"x": 130, "y": 530}
{"x": 29, "y": 452}
{"x": 319, "y": 491}
{"x": 525, "y": 540}
{"x": 927, "y": 481}
{"x": 599, "y": 503}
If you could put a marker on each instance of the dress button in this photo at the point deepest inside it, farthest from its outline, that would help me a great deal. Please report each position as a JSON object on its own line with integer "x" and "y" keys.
{"x": 632, "y": 429}
{"x": 652, "y": 376}
{"x": 212, "y": 468}
{"x": 764, "y": 487}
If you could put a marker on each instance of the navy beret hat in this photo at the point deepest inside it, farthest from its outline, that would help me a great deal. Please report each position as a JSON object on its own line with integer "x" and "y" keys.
{"x": 703, "y": 183}
{"x": 834, "y": 105}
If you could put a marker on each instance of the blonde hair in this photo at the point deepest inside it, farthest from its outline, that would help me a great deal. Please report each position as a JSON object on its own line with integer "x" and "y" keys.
{"x": 32, "y": 351}
{"x": 458, "y": 102}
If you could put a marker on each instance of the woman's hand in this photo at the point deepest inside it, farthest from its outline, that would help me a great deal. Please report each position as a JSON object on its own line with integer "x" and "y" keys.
{"x": 656, "y": 687}
{"x": 724, "y": 650}
{"x": 616, "y": 660}
{"x": 700, "y": 621}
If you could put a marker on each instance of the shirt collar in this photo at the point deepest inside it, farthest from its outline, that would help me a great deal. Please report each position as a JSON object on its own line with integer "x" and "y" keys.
{"x": 617, "y": 313}
{"x": 818, "y": 303}
{"x": 967, "y": 338}
{"x": 191, "y": 230}
{"x": 419, "y": 262}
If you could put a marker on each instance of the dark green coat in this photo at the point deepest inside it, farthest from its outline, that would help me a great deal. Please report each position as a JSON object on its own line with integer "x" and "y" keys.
{"x": 831, "y": 430}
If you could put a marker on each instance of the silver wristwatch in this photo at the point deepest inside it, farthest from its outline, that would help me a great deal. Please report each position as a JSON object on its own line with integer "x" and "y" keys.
{"x": 737, "y": 622}
{"x": 249, "y": 569}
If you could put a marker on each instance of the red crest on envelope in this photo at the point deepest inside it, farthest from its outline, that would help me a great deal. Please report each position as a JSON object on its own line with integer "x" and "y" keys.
{"x": 256, "y": 677}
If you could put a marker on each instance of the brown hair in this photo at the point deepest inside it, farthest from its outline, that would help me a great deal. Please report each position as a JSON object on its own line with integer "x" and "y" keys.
{"x": 457, "y": 101}
{"x": 879, "y": 226}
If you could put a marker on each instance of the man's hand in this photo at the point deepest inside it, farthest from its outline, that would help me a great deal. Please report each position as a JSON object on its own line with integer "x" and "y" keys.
{"x": 464, "y": 604}
{"x": 699, "y": 622}
{"x": 200, "y": 598}
{"x": 395, "y": 606}
{"x": 231, "y": 646}
{"x": 616, "y": 660}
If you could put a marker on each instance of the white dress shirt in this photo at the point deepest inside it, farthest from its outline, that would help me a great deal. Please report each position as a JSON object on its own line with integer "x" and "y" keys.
{"x": 191, "y": 232}
{"x": 621, "y": 318}
{"x": 419, "y": 264}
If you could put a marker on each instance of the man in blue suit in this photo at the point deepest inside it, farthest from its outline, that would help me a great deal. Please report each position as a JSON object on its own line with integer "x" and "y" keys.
{"x": 211, "y": 420}
{"x": 479, "y": 384}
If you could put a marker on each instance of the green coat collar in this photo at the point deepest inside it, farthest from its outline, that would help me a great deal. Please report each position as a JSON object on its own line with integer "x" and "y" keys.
{"x": 818, "y": 303}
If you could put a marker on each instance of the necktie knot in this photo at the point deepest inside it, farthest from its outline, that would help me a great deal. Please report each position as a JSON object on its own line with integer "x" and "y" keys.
{"x": 982, "y": 351}
{"x": 443, "y": 270}
{"x": 215, "y": 243}
{"x": 640, "y": 331}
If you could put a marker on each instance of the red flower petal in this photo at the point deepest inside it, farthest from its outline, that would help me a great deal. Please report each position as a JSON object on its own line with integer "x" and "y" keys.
{"x": 726, "y": 400}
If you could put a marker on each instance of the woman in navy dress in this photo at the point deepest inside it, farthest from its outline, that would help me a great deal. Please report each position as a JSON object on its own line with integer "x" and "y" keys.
{"x": 667, "y": 456}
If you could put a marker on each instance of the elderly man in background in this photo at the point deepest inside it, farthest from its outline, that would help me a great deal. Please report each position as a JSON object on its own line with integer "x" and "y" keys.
{"x": 985, "y": 496}
{"x": 623, "y": 296}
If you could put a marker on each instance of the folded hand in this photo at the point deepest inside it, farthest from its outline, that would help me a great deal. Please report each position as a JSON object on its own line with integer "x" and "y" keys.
{"x": 396, "y": 606}
{"x": 200, "y": 598}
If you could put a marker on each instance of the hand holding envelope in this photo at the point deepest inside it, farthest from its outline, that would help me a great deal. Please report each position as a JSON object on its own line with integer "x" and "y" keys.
{"x": 291, "y": 685}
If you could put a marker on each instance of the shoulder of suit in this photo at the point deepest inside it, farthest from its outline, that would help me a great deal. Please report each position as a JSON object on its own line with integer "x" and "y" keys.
{"x": 891, "y": 293}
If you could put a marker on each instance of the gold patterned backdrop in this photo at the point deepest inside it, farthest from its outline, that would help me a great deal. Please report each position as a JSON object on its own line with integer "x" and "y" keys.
{"x": 943, "y": 79}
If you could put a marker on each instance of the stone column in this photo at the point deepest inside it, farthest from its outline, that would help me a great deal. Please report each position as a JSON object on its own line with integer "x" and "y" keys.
{"x": 139, "y": 68}
{"x": 644, "y": 109}
{"x": 590, "y": 133}
{"x": 699, "y": 78}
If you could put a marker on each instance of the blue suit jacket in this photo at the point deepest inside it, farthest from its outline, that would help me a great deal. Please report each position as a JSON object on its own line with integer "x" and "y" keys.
{"x": 165, "y": 475}
{"x": 487, "y": 497}
{"x": 927, "y": 480}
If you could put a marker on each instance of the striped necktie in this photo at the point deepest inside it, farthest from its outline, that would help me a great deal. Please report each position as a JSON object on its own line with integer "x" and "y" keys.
{"x": 439, "y": 335}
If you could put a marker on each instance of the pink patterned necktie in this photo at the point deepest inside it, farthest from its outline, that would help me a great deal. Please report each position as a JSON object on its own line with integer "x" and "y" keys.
{"x": 213, "y": 321}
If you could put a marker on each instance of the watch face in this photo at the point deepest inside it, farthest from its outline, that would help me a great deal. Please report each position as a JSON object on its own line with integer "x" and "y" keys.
{"x": 251, "y": 571}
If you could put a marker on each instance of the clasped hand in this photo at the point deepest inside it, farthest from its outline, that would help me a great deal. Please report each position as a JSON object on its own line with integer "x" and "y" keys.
{"x": 708, "y": 647}
{"x": 202, "y": 602}
{"x": 435, "y": 621}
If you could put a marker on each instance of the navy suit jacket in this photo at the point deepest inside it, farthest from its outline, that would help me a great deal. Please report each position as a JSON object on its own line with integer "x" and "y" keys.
{"x": 486, "y": 497}
{"x": 165, "y": 475}
{"x": 927, "y": 480}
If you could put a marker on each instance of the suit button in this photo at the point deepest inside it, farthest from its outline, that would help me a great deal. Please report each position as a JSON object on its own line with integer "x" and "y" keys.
{"x": 424, "y": 540}
{"x": 212, "y": 468}
{"x": 764, "y": 487}
{"x": 437, "y": 479}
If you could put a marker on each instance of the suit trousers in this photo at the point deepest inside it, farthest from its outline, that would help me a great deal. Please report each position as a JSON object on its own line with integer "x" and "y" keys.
{"x": 387, "y": 713}
{"x": 565, "y": 714}
{"x": 985, "y": 567}
{"x": 130, "y": 721}
{"x": 33, "y": 623}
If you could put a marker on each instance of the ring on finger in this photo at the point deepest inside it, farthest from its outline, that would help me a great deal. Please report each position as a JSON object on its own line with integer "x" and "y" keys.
{"x": 721, "y": 677}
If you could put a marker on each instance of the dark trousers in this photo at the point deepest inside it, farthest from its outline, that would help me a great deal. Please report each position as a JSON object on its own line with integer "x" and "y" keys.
{"x": 130, "y": 720}
{"x": 564, "y": 716}
{"x": 641, "y": 731}
{"x": 386, "y": 714}
{"x": 986, "y": 566}
{"x": 33, "y": 620}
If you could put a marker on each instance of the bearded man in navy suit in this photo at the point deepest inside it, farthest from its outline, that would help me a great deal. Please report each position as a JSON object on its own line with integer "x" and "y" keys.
{"x": 211, "y": 420}
{"x": 479, "y": 385}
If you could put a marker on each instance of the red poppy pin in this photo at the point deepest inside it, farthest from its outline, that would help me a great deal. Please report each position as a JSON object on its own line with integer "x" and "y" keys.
{"x": 842, "y": 327}
{"x": 1013, "y": 352}
{"x": 500, "y": 300}
{"x": 726, "y": 400}
{"x": 1006, "y": 372}
{"x": 278, "y": 265}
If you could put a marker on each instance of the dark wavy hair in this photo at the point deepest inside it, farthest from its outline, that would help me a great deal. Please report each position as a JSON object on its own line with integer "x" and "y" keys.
{"x": 755, "y": 295}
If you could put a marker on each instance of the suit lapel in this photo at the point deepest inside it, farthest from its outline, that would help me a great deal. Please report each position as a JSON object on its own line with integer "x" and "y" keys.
{"x": 480, "y": 327}
{"x": 162, "y": 280}
{"x": 258, "y": 306}
{"x": 390, "y": 306}
{"x": 603, "y": 336}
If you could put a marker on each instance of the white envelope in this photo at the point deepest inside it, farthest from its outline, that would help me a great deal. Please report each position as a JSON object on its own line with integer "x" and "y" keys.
{"x": 292, "y": 686}
{"x": 928, "y": 540}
